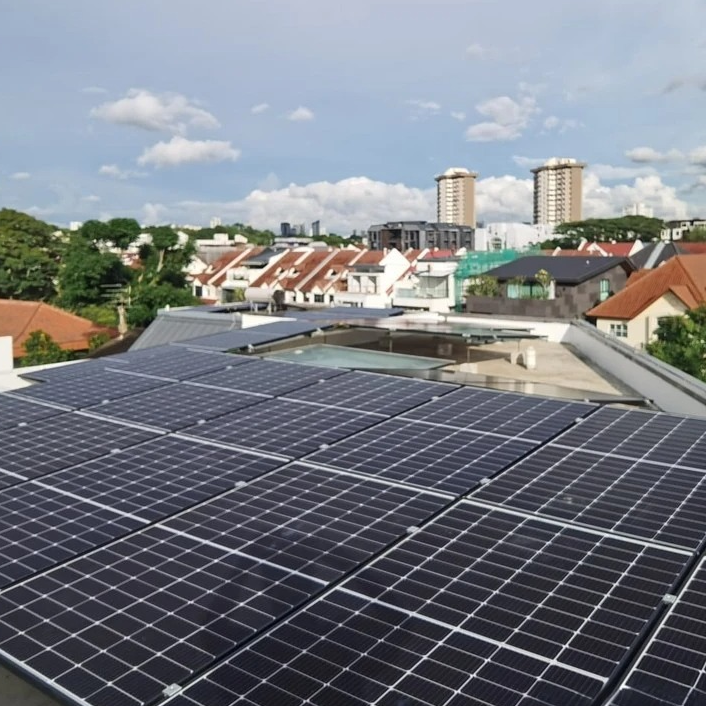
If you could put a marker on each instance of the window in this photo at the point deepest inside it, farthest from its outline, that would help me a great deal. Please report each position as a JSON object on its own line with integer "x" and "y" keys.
{"x": 198, "y": 291}
{"x": 605, "y": 289}
{"x": 319, "y": 298}
{"x": 619, "y": 330}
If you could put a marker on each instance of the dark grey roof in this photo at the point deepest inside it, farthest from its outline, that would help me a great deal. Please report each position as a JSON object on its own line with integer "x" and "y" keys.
{"x": 263, "y": 257}
{"x": 659, "y": 252}
{"x": 564, "y": 270}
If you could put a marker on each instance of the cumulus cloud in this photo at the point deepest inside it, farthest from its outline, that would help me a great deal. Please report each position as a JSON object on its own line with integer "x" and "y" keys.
{"x": 698, "y": 156}
{"x": 508, "y": 119}
{"x": 20, "y": 176}
{"x": 164, "y": 112}
{"x": 259, "y": 108}
{"x": 114, "y": 171}
{"x": 179, "y": 151}
{"x": 528, "y": 162}
{"x": 423, "y": 109}
{"x": 457, "y": 115}
{"x": 476, "y": 51}
{"x": 560, "y": 125}
{"x": 300, "y": 114}
{"x": 610, "y": 172}
{"x": 647, "y": 155}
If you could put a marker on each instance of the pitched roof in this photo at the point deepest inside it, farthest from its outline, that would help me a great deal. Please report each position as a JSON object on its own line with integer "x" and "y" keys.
{"x": 683, "y": 275}
{"x": 691, "y": 248}
{"x": 564, "y": 270}
{"x": 616, "y": 249}
{"x": 332, "y": 273}
{"x": 271, "y": 274}
{"x": 19, "y": 319}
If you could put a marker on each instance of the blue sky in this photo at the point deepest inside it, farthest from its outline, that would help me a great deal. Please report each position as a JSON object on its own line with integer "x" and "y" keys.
{"x": 269, "y": 110}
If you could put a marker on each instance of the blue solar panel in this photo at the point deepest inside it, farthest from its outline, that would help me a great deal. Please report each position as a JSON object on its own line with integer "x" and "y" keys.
{"x": 14, "y": 411}
{"x": 253, "y": 336}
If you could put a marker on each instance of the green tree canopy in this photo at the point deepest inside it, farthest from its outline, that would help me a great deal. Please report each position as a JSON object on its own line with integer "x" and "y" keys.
{"x": 695, "y": 235}
{"x": 41, "y": 349}
{"x": 608, "y": 229}
{"x": 29, "y": 257}
{"x": 681, "y": 342}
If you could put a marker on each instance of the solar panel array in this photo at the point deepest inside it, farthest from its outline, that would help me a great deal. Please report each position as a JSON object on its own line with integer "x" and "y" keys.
{"x": 184, "y": 527}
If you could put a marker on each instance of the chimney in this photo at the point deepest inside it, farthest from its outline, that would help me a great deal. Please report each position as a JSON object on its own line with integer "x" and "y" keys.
{"x": 6, "y": 360}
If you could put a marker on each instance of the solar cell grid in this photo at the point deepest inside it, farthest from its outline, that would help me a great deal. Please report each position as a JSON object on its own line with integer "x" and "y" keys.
{"x": 345, "y": 650}
{"x": 40, "y": 527}
{"x": 88, "y": 390}
{"x": 575, "y": 598}
{"x": 160, "y": 477}
{"x": 48, "y": 445}
{"x": 650, "y": 501}
{"x": 120, "y": 625}
{"x": 317, "y": 522}
{"x": 14, "y": 411}
{"x": 67, "y": 372}
{"x": 284, "y": 427}
{"x": 659, "y": 438}
{"x": 502, "y": 413}
{"x": 266, "y": 377}
{"x": 368, "y": 392}
{"x": 176, "y": 406}
{"x": 253, "y": 336}
{"x": 429, "y": 456}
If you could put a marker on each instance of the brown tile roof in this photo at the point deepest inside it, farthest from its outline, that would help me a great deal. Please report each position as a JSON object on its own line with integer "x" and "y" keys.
{"x": 333, "y": 272}
{"x": 240, "y": 258}
{"x": 371, "y": 257}
{"x": 691, "y": 248}
{"x": 683, "y": 275}
{"x": 306, "y": 269}
{"x": 273, "y": 272}
{"x": 19, "y": 319}
{"x": 617, "y": 249}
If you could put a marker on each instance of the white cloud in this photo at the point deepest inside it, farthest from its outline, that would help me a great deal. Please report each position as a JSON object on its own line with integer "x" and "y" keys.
{"x": 561, "y": 125}
{"x": 645, "y": 155}
{"x": 300, "y": 114}
{"x": 259, "y": 108}
{"x": 94, "y": 90}
{"x": 154, "y": 214}
{"x": 504, "y": 198}
{"x": 423, "y": 109}
{"x": 457, "y": 115}
{"x": 508, "y": 119}
{"x": 528, "y": 162}
{"x": 698, "y": 156}
{"x": 165, "y": 112}
{"x": 179, "y": 150}
{"x": 612, "y": 173}
{"x": 476, "y": 51}
{"x": 20, "y": 176}
{"x": 114, "y": 171}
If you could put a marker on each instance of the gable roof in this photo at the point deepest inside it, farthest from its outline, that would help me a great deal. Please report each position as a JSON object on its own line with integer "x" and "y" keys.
{"x": 616, "y": 249}
{"x": 332, "y": 273}
{"x": 20, "y": 318}
{"x": 564, "y": 270}
{"x": 683, "y": 275}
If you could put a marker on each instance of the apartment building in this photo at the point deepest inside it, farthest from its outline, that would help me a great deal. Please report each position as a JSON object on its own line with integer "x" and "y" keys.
{"x": 558, "y": 191}
{"x": 456, "y": 197}
{"x": 419, "y": 235}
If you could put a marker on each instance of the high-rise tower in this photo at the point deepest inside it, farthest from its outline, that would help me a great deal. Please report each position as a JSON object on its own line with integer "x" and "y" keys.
{"x": 456, "y": 197}
{"x": 558, "y": 191}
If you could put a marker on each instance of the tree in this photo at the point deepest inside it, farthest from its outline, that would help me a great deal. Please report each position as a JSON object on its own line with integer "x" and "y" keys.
{"x": 544, "y": 280}
{"x": 681, "y": 342}
{"x": 608, "y": 229}
{"x": 122, "y": 232}
{"x": 483, "y": 286}
{"x": 695, "y": 235}
{"x": 29, "y": 257}
{"x": 41, "y": 348}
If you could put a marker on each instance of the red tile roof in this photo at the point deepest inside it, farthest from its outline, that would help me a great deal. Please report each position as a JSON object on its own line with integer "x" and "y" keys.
{"x": 332, "y": 272}
{"x": 691, "y": 248}
{"x": 19, "y": 319}
{"x": 274, "y": 272}
{"x": 616, "y": 249}
{"x": 683, "y": 275}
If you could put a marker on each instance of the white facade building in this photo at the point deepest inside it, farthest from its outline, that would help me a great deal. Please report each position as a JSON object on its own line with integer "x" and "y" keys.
{"x": 515, "y": 236}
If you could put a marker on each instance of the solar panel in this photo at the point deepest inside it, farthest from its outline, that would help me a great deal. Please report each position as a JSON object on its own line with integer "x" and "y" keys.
{"x": 181, "y": 363}
{"x": 283, "y": 427}
{"x": 47, "y": 445}
{"x": 253, "y": 336}
{"x": 266, "y": 377}
{"x": 429, "y": 456}
{"x": 176, "y": 406}
{"x": 369, "y": 392}
{"x": 647, "y": 500}
{"x": 672, "y": 669}
{"x": 125, "y": 622}
{"x": 14, "y": 411}
{"x": 85, "y": 391}
{"x": 503, "y": 413}
{"x": 317, "y": 522}
{"x": 160, "y": 477}
{"x": 70, "y": 371}
{"x": 661, "y": 438}
{"x": 40, "y": 527}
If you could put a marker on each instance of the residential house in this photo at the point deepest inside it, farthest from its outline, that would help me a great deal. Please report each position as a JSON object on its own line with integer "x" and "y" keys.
{"x": 431, "y": 285}
{"x": 576, "y": 284}
{"x": 233, "y": 270}
{"x": 19, "y": 319}
{"x": 633, "y": 313}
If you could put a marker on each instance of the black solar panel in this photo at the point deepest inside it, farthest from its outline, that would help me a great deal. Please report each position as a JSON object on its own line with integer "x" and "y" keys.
{"x": 88, "y": 390}
{"x": 161, "y": 477}
{"x": 70, "y": 371}
{"x": 253, "y": 336}
{"x": 648, "y": 500}
{"x": 660, "y": 438}
{"x": 40, "y": 527}
{"x": 176, "y": 406}
{"x": 672, "y": 669}
{"x": 320, "y": 523}
{"x": 122, "y": 624}
{"x": 181, "y": 363}
{"x": 47, "y": 445}
{"x": 503, "y": 413}
{"x": 266, "y": 377}
{"x": 424, "y": 455}
{"x": 284, "y": 427}
{"x": 368, "y": 392}
{"x": 14, "y": 411}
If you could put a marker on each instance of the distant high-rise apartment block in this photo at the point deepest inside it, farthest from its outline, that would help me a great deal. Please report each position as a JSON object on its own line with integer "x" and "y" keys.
{"x": 456, "y": 197}
{"x": 558, "y": 191}
{"x": 639, "y": 209}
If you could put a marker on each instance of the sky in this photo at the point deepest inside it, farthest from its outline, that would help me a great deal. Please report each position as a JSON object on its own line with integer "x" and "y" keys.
{"x": 262, "y": 111}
